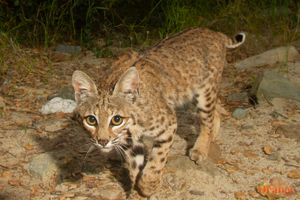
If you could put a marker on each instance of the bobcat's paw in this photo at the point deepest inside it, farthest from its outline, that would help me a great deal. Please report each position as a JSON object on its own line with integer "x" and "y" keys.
{"x": 147, "y": 184}
{"x": 197, "y": 155}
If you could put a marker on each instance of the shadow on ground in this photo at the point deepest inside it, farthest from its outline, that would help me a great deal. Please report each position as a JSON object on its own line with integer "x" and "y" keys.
{"x": 68, "y": 149}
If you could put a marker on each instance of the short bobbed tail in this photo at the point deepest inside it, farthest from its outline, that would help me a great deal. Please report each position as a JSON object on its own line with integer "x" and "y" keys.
{"x": 238, "y": 40}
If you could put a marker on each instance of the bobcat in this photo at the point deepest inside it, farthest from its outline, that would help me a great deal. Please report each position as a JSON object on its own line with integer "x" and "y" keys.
{"x": 142, "y": 102}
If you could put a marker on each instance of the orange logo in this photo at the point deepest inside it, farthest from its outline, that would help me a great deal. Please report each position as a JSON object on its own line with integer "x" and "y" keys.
{"x": 277, "y": 190}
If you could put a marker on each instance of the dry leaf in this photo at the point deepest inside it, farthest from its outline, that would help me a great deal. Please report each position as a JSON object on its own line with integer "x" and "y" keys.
{"x": 28, "y": 147}
{"x": 231, "y": 168}
{"x": 268, "y": 150}
{"x": 240, "y": 195}
{"x": 294, "y": 174}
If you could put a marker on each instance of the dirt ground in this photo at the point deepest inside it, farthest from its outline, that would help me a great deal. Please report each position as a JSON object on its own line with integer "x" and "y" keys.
{"x": 43, "y": 156}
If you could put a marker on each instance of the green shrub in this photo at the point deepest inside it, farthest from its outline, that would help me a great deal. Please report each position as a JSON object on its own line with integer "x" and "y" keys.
{"x": 47, "y": 22}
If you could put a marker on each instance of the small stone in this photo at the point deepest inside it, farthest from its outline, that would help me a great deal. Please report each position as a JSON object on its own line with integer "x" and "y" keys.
{"x": 267, "y": 149}
{"x": 239, "y": 113}
{"x": 274, "y": 156}
{"x": 197, "y": 192}
{"x": 43, "y": 166}
{"x": 58, "y": 104}
{"x": 294, "y": 174}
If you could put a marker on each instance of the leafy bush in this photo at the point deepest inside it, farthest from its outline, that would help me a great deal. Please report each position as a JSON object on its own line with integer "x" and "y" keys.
{"x": 37, "y": 22}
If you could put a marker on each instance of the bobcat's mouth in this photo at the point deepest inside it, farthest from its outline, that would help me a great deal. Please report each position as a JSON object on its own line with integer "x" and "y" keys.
{"x": 107, "y": 147}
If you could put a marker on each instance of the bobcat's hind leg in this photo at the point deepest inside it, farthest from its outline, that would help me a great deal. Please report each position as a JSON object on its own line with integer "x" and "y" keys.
{"x": 210, "y": 123}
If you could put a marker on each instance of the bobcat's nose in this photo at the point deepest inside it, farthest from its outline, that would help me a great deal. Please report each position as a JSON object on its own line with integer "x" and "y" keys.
{"x": 103, "y": 142}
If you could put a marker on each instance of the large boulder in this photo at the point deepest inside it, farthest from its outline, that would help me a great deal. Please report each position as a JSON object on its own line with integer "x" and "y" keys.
{"x": 277, "y": 55}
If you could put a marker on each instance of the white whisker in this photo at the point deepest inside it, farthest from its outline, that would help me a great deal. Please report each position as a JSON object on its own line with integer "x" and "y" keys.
{"x": 120, "y": 151}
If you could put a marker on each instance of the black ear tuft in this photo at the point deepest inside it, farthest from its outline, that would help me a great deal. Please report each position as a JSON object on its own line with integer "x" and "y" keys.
{"x": 239, "y": 37}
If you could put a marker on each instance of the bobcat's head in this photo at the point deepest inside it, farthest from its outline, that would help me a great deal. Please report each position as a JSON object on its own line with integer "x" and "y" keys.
{"x": 109, "y": 118}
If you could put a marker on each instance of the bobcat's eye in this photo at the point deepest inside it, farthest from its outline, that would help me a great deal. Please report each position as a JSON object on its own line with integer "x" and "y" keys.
{"x": 91, "y": 120}
{"x": 116, "y": 120}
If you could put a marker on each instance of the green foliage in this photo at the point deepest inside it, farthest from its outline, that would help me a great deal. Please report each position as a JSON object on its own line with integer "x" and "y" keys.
{"x": 36, "y": 22}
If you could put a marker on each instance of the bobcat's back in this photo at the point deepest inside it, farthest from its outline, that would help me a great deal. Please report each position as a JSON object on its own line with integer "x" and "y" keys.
{"x": 139, "y": 96}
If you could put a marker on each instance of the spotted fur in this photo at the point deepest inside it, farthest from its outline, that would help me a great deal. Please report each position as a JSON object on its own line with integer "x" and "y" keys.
{"x": 144, "y": 90}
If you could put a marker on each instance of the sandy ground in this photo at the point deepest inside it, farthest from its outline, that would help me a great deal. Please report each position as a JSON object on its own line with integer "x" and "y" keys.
{"x": 42, "y": 156}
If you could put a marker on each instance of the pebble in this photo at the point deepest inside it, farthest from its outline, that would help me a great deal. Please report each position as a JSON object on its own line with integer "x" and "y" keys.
{"x": 239, "y": 113}
{"x": 294, "y": 174}
{"x": 58, "y": 104}
{"x": 197, "y": 192}
{"x": 43, "y": 166}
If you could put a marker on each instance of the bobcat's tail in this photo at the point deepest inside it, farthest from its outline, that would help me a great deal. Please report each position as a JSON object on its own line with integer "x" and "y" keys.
{"x": 238, "y": 40}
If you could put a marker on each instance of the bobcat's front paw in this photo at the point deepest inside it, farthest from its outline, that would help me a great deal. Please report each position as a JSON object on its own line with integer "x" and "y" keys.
{"x": 147, "y": 184}
{"x": 197, "y": 155}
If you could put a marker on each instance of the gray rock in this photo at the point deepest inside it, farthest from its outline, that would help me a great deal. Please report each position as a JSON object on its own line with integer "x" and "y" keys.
{"x": 280, "y": 54}
{"x": 58, "y": 104}
{"x": 197, "y": 192}
{"x": 270, "y": 84}
{"x": 43, "y": 166}
{"x": 274, "y": 156}
{"x": 239, "y": 113}
{"x": 68, "y": 49}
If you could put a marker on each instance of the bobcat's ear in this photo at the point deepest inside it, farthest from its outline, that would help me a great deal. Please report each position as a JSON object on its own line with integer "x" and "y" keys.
{"x": 128, "y": 84}
{"x": 83, "y": 86}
